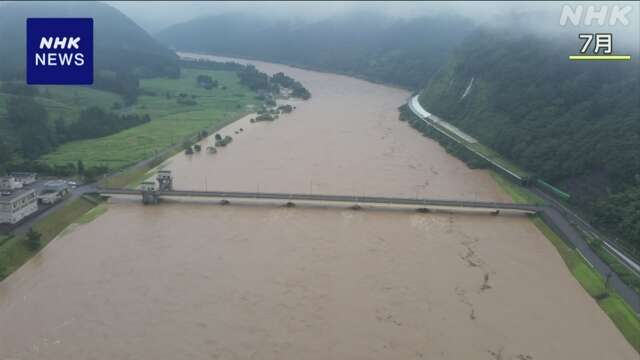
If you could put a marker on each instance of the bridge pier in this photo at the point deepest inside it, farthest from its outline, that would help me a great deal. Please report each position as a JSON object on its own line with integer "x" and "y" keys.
{"x": 150, "y": 197}
{"x": 149, "y": 194}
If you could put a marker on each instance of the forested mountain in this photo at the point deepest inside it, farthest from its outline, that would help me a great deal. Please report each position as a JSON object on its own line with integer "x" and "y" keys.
{"x": 576, "y": 124}
{"x": 401, "y": 52}
{"x": 120, "y": 45}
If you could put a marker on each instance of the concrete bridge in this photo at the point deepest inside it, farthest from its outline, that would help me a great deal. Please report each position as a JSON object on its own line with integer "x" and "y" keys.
{"x": 291, "y": 199}
{"x": 555, "y": 218}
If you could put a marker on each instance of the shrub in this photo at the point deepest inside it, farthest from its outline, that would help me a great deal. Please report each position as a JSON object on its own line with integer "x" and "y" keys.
{"x": 225, "y": 141}
{"x": 33, "y": 239}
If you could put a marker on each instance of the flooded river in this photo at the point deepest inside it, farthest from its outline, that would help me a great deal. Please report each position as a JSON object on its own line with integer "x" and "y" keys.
{"x": 202, "y": 281}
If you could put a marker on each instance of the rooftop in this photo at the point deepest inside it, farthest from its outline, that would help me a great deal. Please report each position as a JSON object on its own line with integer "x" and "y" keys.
{"x": 15, "y": 194}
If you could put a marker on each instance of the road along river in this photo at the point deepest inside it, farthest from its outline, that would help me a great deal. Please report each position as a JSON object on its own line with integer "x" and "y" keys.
{"x": 187, "y": 280}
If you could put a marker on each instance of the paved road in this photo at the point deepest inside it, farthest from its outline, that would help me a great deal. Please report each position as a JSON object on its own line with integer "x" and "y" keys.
{"x": 24, "y": 226}
{"x": 586, "y": 227}
{"x": 556, "y": 219}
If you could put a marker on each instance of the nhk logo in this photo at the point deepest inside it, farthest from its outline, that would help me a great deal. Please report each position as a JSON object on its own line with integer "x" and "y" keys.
{"x": 590, "y": 15}
{"x": 59, "y": 51}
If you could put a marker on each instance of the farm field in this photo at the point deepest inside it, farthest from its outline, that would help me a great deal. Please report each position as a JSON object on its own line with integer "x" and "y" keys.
{"x": 171, "y": 122}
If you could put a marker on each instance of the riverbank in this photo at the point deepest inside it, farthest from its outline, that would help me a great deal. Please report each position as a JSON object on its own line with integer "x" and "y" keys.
{"x": 610, "y": 302}
{"x": 16, "y": 251}
{"x": 202, "y": 281}
{"x": 591, "y": 278}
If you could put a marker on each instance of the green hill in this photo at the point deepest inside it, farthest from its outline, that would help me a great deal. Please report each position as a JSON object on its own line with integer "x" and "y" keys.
{"x": 576, "y": 124}
{"x": 402, "y": 52}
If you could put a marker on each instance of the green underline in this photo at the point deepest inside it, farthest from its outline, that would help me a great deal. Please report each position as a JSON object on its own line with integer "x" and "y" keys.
{"x": 601, "y": 57}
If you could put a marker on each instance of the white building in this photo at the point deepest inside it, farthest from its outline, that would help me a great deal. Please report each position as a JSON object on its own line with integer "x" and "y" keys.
{"x": 17, "y": 205}
{"x": 8, "y": 183}
{"x": 25, "y": 178}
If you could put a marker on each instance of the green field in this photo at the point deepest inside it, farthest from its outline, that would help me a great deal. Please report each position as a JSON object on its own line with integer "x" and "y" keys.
{"x": 611, "y": 303}
{"x": 14, "y": 252}
{"x": 171, "y": 122}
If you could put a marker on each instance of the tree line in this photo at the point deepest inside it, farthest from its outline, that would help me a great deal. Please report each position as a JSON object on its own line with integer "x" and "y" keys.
{"x": 252, "y": 78}
{"x": 31, "y": 134}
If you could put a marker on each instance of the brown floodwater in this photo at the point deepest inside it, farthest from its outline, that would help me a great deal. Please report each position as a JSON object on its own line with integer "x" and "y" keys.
{"x": 187, "y": 280}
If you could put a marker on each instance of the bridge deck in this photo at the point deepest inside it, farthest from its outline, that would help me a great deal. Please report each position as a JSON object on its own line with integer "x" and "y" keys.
{"x": 374, "y": 200}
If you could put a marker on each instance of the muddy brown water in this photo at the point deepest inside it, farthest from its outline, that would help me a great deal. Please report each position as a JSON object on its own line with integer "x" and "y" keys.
{"x": 201, "y": 281}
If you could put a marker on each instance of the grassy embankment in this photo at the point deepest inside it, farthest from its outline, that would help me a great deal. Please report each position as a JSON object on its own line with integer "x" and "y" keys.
{"x": 611, "y": 303}
{"x": 171, "y": 122}
{"x": 522, "y": 195}
{"x": 626, "y": 274}
{"x": 15, "y": 251}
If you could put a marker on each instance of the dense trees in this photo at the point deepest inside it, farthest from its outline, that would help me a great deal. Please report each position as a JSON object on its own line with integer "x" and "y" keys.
{"x": 29, "y": 122}
{"x": 403, "y": 52}
{"x": 621, "y": 213}
{"x": 122, "y": 83}
{"x": 576, "y": 125}
{"x": 297, "y": 90}
{"x": 206, "y": 82}
{"x": 252, "y": 78}
{"x": 96, "y": 122}
{"x": 32, "y": 135}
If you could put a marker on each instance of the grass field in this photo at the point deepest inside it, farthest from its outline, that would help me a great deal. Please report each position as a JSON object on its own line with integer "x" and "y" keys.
{"x": 519, "y": 194}
{"x": 618, "y": 310}
{"x": 171, "y": 122}
{"x": 14, "y": 252}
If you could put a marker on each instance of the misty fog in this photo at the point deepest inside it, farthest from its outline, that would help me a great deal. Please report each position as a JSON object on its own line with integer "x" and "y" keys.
{"x": 542, "y": 18}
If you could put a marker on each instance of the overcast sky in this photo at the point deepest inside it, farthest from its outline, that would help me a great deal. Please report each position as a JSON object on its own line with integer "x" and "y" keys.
{"x": 535, "y": 16}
